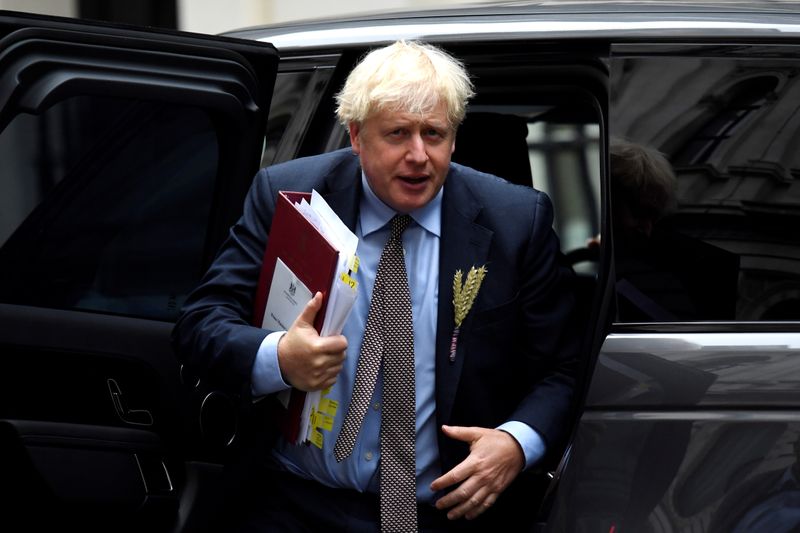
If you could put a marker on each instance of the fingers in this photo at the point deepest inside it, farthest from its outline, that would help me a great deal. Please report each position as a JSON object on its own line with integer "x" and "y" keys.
{"x": 307, "y": 361}
{"x": 473, "y": 505}
{"x": 455, "y": 476}
{"x": 492, "y": 464}
{"x": 469, "y": 500}
{"x": 460, "y": 496}
{"x": 480, "y": 504}
{"x": 309, "y": 313}
{"x": 310, "y": 362}
{"x": 464, "y": 469}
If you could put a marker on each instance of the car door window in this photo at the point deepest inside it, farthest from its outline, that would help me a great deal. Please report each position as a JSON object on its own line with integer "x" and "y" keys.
{"x": 286, "y": 101}
{"x": 111, "y": 217}
{"x": 712, "y": 235}
{"x": 124, "y": 164}
{"x": 300, "y": 87}
{"x": 532, "y": 145}
{"x": 537, "y": 124}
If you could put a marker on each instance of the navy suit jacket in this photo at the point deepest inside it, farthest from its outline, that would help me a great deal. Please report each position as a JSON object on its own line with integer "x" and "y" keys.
{"x": 516, "y": 359}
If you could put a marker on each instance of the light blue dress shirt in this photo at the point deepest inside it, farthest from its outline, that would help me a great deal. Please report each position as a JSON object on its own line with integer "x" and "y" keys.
{"x": 421, "y": 248}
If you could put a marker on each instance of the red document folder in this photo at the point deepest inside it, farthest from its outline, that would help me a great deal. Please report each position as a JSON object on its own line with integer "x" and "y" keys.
{"x": 309, "y": 255}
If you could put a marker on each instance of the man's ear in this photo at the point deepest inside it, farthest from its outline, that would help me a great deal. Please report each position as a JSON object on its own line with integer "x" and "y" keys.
{"x": 354, "y": 129}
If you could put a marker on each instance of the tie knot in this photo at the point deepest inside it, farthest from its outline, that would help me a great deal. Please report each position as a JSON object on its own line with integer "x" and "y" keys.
{"x": 399, "y": 225}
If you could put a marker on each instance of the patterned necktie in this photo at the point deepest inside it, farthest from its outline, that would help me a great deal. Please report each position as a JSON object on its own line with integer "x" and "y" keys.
{"x": 389, "y": 338}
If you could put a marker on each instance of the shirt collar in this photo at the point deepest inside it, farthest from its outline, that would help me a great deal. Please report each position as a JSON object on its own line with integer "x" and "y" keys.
{"x": 375, "y": 214}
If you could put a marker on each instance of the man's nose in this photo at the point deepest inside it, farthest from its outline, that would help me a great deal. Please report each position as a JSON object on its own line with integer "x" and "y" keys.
{"x": 416, "y": 152}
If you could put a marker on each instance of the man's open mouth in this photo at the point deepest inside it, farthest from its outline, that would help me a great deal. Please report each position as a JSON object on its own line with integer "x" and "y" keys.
{"x": 414, "y": 181}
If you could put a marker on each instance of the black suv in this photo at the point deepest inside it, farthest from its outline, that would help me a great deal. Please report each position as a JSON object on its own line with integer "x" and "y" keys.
{"x": 126, "y": 155}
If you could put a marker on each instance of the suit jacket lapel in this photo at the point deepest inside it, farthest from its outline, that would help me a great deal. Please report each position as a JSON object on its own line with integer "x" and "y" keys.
{"x": 464, "y": 244}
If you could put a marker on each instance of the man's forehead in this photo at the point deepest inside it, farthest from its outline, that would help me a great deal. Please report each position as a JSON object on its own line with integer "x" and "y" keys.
{"x": 436, "y": 116}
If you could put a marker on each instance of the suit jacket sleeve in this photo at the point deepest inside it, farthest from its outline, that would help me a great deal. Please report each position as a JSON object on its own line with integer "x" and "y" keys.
{"x": 549, "y": 336}
{"x": 214, "y": 335}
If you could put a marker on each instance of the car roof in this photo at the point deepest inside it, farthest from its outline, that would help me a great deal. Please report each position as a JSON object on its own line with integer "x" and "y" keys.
{"x": 509, "y": 21}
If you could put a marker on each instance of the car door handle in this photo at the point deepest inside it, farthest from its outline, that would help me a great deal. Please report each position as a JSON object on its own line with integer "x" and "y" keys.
{"x": 138, "y": 417}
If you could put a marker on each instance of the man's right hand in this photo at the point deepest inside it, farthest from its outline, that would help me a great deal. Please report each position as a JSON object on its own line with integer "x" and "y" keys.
{"x": 307, "y": 361}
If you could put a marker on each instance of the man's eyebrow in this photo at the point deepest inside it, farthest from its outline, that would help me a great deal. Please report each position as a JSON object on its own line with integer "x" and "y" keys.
{"x": 441, "y": 126}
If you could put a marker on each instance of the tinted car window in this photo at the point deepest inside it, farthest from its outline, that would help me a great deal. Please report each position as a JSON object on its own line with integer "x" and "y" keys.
{"x": 722, "y": 244}
{"x": 537, "y": 124}
{"x": 530, "y": 145}
{"x": 114, "y": 217}
{"x": 300, "y": 112}
{"x": 286, "y": 100}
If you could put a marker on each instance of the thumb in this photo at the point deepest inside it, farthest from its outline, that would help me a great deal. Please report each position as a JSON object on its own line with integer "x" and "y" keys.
{"x": 310, "y": 311}
{"x": 461, "y": 433}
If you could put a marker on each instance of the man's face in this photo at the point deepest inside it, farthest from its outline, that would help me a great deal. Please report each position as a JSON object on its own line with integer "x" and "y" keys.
{"x": 405, "y": 156}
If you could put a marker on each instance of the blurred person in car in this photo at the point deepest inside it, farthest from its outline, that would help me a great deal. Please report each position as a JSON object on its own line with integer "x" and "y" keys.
{"x": 644, "y": 188}
{"x": 643, "y": 193}
{"x": 493, "y": 379}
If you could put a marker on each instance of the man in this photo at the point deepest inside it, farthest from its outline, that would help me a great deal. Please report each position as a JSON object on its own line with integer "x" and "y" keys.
{"x": 492, "y": 395}
{"x": 643, "y": 189}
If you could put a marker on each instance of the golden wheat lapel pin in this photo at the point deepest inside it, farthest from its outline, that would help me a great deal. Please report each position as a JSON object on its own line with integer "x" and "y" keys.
{"x": 463, "y": 298}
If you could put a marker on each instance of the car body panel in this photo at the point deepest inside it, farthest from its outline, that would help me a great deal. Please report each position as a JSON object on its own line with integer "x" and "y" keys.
{"x": 697, "y": 371}
{"x": 526, "y": 21}
{"x": 685, "y": 432}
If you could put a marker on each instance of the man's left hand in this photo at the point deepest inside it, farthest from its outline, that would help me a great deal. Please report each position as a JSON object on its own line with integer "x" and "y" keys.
{"x": 495, "y": 459}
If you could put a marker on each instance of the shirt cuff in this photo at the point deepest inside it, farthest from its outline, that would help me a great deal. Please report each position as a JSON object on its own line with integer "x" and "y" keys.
{"x": 266, "y": 377}
{"x": 529, "y": 440}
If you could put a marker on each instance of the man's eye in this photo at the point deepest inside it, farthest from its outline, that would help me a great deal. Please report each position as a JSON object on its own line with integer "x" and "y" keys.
{"x": 433, "y": 133}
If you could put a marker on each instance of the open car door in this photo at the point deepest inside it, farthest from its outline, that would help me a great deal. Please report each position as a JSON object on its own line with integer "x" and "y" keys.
{"x": 126, "y": 155}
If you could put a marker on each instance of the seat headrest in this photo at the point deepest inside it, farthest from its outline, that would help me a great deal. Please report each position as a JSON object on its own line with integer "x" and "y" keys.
{"x": 495, "y": 143}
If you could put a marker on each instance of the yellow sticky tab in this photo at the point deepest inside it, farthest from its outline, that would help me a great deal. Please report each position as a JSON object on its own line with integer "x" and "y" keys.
{"x": 353, "y": 265}
{"x": 316, "y": 438}
{"x": 325, "y": 421}
{"x": 328, "y": 406}
{"x": 312, "y": 417}
{"x": 350, "y": 281}
{"x": 323, "y": 405}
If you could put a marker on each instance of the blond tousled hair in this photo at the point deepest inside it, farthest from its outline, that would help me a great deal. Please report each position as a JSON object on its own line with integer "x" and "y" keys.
{"x": 406, "y": 76}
